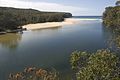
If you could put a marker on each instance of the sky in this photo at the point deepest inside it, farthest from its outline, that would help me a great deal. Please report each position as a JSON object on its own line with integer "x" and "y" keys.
{"x": 76, "y": 7}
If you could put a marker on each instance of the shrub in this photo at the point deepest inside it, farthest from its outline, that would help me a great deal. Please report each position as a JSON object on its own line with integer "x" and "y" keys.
{"x": 102, "y": 65}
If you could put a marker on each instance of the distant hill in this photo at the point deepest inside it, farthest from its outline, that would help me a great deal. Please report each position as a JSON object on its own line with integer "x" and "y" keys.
{"x": 12, "y": 18}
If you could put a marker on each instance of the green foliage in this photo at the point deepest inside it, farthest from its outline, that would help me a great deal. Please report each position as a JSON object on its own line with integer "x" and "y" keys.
{"x": 111, "y": 17}
{"x": 34, "y": 74}
{"x": 12, "y": 18}
{"x": 111, "y": 20}
{"x": 78, "y": 59}
{"x": 8, "y": 21}
{"x": 102, "y": 65}
{"x": 115, "y": 42}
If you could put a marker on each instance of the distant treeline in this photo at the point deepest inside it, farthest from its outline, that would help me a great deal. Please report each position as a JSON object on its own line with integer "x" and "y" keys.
{"x": 12, "y": 18}
{"x": 111, "y": 17}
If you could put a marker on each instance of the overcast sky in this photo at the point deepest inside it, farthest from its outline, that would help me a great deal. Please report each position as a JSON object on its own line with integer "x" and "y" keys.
{"x": 76, "y": 7}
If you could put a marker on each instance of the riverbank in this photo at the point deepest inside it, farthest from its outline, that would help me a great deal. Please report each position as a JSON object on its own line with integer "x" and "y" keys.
{"x": 67, "y": 21}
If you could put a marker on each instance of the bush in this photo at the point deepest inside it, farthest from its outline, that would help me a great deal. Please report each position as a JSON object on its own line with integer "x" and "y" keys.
{"x": 111, "y": 17}
{"x": 102, "y": 65}
{"x": 34, "y": 74}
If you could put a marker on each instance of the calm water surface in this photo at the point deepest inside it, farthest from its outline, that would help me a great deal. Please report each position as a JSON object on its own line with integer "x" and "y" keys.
{"x": 50, "y": 48}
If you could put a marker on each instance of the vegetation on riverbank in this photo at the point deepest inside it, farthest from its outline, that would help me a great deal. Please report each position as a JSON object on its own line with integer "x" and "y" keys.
{"x": 102, "y": 65}
{"x": 35, "y": 74}
{"x": 111, "y": 20}
{"x": 111, "y": 17}
{"x": 13, "y": 18}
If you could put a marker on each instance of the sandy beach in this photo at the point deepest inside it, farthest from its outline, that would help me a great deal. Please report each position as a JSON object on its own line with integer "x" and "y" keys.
{"x": 67, "y": 21}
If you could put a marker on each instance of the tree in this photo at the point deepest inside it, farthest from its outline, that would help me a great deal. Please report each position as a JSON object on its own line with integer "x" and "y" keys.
{"x": 111, "y": 17}
{"x": 8, "y": 21}
{"x": 102, "y": 65}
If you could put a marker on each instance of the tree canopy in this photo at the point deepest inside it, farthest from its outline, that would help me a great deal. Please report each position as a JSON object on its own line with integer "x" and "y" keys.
{"x": 111, "y": 17}
{"x": 102, "y": 65}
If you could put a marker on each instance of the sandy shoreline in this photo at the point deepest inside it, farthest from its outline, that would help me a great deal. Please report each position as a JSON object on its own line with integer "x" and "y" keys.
{"x": 68, "y": 21}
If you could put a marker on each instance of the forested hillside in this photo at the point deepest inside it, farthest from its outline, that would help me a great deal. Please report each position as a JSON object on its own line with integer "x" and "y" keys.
{"x": 12, "y": 18}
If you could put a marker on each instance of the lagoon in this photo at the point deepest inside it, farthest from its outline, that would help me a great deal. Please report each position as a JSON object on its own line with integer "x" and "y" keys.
{"x": 51, "y": 48}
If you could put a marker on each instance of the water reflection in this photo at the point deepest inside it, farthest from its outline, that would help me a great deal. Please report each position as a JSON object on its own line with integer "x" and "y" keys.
{"x": 113, "y": 39}
{"x": 10, "y": 41}
{"x": 114, "y": 42}
{"x": 51, "y": 28}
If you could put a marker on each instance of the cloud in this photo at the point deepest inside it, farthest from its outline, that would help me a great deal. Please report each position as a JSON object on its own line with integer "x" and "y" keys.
{"x": 43, "y": 6}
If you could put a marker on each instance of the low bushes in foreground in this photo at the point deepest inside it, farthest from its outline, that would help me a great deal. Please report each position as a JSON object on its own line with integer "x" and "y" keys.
{"x": 102, "y": 65}
{"x": 34, "y": 74}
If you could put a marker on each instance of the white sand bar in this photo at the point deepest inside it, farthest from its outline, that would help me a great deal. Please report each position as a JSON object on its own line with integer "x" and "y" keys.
{"x": 42, "y": 25}
{"x": 68, "y": 21}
